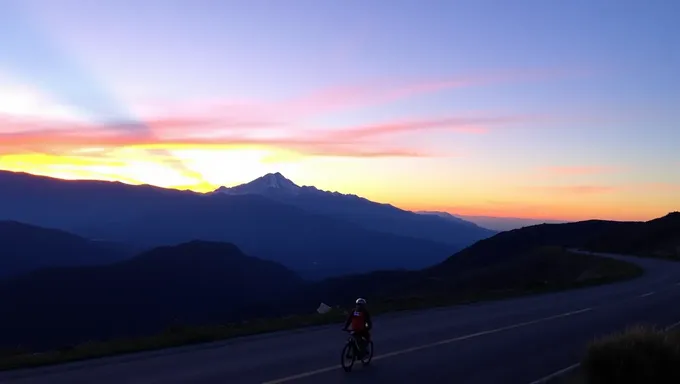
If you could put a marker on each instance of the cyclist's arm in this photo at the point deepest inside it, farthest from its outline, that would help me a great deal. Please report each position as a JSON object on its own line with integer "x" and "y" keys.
{"x": 349, "y": 320}
{"x": 368, "y": 320}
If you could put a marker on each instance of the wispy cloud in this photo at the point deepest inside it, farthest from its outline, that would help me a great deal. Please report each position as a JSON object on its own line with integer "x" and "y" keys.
{"x": 275, "y": 125}
{"x": 595, "y": 189}
{"x": 472, "y": 125}
{"x": 197, "y": 132}
{"x": 574, "y": 189}
{"x": 578, "y": 170}
{"x": 345, "y": 98}
{"x": 659, "y": 187}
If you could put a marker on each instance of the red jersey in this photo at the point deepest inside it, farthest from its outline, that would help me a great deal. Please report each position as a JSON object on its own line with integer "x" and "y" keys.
{"x": 359, "y": 319}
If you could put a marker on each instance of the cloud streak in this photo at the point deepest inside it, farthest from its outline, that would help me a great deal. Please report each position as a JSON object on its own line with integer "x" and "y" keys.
{"x": 226, "y": 125}
{"x": 204, "y": 132}
{"x": 578, "y": 170}
{"x": 344, "y": 98}
{"x": 595, "y": 189}
{"x": 474, "y": 125}
{"x": 575, "y": 189}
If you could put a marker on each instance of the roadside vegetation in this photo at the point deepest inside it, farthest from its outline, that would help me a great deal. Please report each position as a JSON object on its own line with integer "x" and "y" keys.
{"x": 545, "y": 269}
{"x": 637, "y": 355}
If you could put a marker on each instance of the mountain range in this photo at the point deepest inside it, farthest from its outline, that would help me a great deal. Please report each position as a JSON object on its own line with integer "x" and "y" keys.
{"x": 313, "y": 232}
{"x": 493, "y": 222}
{"x": 360, "y": 211}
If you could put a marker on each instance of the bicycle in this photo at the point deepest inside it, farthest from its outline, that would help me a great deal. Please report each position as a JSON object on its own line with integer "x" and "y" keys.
{"x": 352, "y": 352}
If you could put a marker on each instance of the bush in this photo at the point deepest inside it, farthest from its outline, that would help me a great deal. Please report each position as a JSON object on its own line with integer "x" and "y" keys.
{"x": 638, "y": 355}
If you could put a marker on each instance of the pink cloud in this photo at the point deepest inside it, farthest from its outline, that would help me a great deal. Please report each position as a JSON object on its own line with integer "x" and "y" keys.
{"x": 344, "y": 151}
{"x": 660, "y": 187}
{"x": 202, "y": 131}
{"x": 269, "y": 124}
{"x": 603, "y": 189}
{"x": 474, "y": 125}
{"x": 579, "y": 170}
{"x": 65, "y": 140}
{"x": 362, "y": 96}
{"x": 576, "y": 189}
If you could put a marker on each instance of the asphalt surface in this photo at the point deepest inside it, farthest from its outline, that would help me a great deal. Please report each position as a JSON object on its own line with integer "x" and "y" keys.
{"x": 513, "y": 341}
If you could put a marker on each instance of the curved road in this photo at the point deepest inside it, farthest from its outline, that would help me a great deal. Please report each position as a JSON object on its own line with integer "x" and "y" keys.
{"x": 513, "y": 341}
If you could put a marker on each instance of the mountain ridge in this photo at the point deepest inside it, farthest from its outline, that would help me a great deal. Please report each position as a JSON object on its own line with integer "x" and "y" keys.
{"x": 189, "y": 283}
{"x": 25, "y": 248}
{"x": 361, "y": 211}
{"x": 499, "y": 224}
{"x": 146, "y": 216}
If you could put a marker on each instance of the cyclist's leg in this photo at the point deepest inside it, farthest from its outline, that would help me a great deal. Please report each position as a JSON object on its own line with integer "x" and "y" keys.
{"x": 363, "y": 339}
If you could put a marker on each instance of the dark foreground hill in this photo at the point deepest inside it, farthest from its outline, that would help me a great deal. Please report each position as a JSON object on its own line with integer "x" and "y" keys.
{"x": 650, "y": 237}
{"x": 313, "y": 244}
{"x": 523, "y": 260}
{"x": 191, "y": 283}
{"x": 24, "y": 248}
{"x": 656, "y": 238}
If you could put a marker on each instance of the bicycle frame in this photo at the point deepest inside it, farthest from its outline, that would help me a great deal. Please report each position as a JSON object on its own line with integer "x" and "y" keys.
{"x": 354, "y": 340}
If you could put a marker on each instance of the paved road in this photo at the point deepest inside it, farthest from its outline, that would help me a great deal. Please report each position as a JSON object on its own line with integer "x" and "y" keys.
{"x": 513, "y": 341}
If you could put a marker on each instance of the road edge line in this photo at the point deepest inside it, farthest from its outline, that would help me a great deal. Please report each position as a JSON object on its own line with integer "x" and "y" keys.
{"x": 556, "y": 374}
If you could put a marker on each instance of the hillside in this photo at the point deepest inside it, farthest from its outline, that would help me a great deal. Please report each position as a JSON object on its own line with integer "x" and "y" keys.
{"x": 523, "y": 260}
{"x": 655, "y": 238}
{"x": 190, "y": 283}
{"x": 360, "y": 211}
{"x": 313, "y": 244}
{"x": 597, "y": 235}
{"x": 24, "y": 248}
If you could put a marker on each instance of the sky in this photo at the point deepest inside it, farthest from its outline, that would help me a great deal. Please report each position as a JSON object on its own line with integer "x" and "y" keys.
{"x": 524, "y": 108}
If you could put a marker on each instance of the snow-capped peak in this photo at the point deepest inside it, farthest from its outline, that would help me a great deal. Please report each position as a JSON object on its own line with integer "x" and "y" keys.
{"x": 277, "y": 180}
{"x": 269, "y": 183}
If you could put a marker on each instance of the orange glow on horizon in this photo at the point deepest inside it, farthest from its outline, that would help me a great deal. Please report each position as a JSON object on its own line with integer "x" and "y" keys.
{"x": 84, "y": 168}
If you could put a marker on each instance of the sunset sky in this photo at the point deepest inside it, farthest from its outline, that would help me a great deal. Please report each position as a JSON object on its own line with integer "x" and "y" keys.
{"x": 544, "y": 109}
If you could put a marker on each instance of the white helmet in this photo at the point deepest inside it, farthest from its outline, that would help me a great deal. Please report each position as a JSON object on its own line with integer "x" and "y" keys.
{"x": 361, "y": 301}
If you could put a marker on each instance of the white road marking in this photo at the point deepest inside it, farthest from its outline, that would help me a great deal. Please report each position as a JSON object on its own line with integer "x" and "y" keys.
{"x": 556, "y": 374}
{"x": 647, "y": 294}
{"x": 426, "y": 346}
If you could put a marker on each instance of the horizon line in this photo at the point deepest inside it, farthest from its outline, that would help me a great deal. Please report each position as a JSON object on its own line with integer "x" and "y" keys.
{"x": 216, "y": 187}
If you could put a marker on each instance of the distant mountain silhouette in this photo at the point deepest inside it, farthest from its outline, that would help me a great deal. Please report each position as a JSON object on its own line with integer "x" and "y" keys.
{"x": 313, "y": 244}
{"x": 363, "y": 212}
{"x": 495, "y": 223}
{"x": 190, "y": 283}
{"x": 24, "y": 248}
{"x": 448, "y": 216}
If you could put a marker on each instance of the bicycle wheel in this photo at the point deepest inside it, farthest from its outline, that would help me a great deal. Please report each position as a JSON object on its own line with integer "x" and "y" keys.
{"x": 368, "y": 354}
{"x": 347, "y": 358}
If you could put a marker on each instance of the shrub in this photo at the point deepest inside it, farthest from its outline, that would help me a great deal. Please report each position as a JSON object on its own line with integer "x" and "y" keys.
{"x": 638, "y": 355}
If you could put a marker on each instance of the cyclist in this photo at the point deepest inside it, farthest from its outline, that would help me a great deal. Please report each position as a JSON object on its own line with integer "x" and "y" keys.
{"x": 360, "y": 319}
